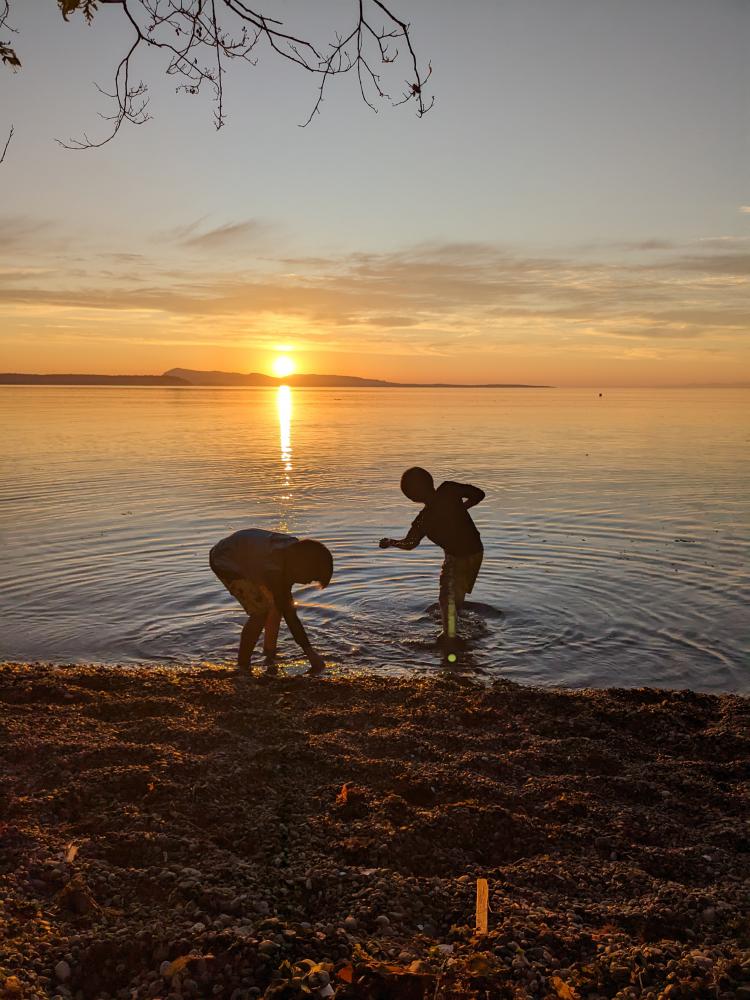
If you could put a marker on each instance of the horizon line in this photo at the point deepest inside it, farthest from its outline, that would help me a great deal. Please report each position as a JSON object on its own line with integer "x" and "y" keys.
{"x": 279, "y": 381}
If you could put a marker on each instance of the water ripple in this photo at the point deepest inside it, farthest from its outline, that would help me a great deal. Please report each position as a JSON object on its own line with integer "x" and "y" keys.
{"x": 613, "y": 556}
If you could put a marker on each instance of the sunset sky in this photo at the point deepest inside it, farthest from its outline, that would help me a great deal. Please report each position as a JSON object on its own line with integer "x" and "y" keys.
{"x": 574, "y": 210}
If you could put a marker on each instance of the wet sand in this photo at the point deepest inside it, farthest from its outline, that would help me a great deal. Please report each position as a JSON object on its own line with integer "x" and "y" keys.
{"x": 186, "y": 833}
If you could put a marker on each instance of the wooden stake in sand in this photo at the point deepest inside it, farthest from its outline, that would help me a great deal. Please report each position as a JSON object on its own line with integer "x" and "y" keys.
{"x": 483, "y": 902}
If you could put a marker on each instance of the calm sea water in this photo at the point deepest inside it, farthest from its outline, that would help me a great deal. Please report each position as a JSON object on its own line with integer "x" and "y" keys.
{"x": 616, "y": 528}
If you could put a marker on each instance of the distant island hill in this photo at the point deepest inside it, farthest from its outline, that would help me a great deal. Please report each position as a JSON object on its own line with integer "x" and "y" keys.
{"x": 187, "y": 377}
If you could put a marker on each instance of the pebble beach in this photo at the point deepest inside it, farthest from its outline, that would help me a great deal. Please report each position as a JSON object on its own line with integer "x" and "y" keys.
{"x": 189, "y": 833}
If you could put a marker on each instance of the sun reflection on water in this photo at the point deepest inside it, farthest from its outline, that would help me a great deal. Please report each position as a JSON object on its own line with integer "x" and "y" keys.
{"x": 284, "y": 408}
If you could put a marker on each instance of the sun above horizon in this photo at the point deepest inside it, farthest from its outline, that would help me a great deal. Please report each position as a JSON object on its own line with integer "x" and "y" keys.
{"x": 283, "y": 365}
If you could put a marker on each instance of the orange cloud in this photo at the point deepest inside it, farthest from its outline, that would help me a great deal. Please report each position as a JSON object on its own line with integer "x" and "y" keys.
{"x": 472, "y": 309}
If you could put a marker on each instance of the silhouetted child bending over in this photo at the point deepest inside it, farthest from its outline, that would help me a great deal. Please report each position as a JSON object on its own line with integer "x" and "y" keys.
{"x": 258, "y": 568}
{"x": 445, "y": 520}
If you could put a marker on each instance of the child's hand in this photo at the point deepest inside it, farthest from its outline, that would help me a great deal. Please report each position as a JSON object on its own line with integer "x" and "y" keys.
{"x": 384, "y": 543}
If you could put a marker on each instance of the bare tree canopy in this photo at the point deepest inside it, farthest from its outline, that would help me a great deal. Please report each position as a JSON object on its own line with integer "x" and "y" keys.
{"x": 200, "y": 38}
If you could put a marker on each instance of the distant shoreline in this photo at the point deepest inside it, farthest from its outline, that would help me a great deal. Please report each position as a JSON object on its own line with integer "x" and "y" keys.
{"x": 309, "y": 382}
{"x": 11, "y": 378}
{"x": 263, "y": 382}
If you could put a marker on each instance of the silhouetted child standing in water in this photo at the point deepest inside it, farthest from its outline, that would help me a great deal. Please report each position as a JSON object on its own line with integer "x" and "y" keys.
{"x": 445, "y": 520}
{"x": 259, "y": 568}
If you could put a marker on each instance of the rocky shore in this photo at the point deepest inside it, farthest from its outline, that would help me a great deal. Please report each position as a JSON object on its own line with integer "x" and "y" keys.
{"x": 169, "y": 833}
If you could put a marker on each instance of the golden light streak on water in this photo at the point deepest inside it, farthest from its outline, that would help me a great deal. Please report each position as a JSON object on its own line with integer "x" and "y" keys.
{"x": 284, "y": 408}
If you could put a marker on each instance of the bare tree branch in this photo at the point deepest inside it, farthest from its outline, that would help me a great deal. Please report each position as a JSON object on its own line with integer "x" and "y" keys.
{"x": 7, "y": 143}
{"x": 9, "y": 58}
{"x": 7, "y": 54}
{"x": 199, "y": 38}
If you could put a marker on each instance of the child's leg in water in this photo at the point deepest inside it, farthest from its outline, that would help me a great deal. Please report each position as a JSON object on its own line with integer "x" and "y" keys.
{"x": 249, "y": 637}
{"x": 448, "y": 603}
{"x": 271, "y": 636}
{"x": 456, "y": 579}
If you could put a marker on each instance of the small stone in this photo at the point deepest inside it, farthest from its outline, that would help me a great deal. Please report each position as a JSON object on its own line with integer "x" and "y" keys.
{"x": 198, "y": 928}
{"x": 702, "y": 960}
{"x": 382, "y": 921}
{"x": 62, "y": 971}
{"x": 418, "y": 967}
{"x": 619, "y": 972}
{"x": 267, "y": 946}
{"x": 350, "y": 923}
{"x": 164, "y": 968}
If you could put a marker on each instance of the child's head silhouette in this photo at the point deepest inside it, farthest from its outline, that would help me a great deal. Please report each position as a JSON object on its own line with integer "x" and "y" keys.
{"x": 310, "y": 562}
{"x": 417, "y": 484}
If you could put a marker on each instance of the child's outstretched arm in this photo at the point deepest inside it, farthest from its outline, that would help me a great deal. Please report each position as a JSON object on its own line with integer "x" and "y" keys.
{"x": 285, "y": 604}
{"x": 412, "y": 539}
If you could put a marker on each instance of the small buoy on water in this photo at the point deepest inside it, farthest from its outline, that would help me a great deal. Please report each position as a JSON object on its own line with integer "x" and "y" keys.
{"x": 452, "y": 657}
{"x": 600, "y": 395}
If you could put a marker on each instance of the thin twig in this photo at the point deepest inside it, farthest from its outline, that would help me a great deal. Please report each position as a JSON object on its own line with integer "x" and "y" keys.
{"x": 7, "y": 143}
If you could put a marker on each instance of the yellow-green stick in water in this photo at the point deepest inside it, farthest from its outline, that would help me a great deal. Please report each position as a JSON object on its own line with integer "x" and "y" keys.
{"x": 452, "y": 616}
